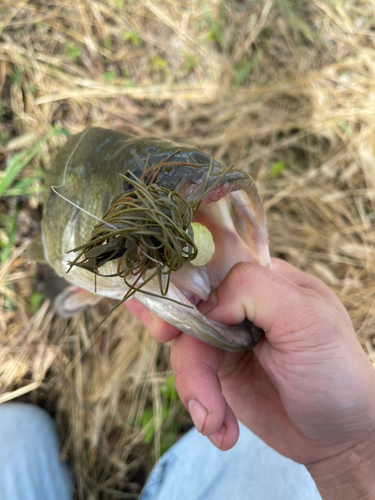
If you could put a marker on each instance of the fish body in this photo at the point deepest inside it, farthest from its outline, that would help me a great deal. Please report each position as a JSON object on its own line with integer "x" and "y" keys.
{"x": 83, "y": 183}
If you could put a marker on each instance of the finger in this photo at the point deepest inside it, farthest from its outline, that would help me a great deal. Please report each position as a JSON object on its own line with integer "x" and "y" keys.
{"x": 259, "y": 294}
{"x": 195, "y": 367}
{"x": 227, "y": 436}
{"x": 159, "y": 329}
{"x": 139, "y": 310}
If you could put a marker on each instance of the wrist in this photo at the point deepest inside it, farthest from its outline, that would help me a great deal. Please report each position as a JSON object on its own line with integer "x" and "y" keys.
{"x": 349, "y": 475}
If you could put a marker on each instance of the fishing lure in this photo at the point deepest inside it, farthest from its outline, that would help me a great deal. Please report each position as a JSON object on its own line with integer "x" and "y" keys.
{"x": 148, "y": 227}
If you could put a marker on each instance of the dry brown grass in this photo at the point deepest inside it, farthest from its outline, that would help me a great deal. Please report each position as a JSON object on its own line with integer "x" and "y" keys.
{"x": 285, "y": 89}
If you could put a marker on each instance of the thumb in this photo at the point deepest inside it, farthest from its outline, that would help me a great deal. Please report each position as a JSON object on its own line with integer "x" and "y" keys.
{"x": 259, "y": 294}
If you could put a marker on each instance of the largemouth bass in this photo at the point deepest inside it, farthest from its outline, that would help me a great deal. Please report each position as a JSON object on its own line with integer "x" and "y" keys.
{"x": 83, "y": 183}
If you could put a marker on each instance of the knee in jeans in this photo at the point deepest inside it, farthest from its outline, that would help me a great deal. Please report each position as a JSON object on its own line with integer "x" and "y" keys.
{"x": 24, "y": 424}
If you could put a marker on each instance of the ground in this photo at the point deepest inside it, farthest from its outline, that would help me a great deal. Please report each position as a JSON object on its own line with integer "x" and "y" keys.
{"x": 283, "y": 89}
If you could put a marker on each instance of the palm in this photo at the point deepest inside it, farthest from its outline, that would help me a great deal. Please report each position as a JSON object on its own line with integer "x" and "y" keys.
{"x": 257, "y": 404}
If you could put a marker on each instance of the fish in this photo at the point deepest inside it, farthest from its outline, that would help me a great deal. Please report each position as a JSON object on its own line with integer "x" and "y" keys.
{"x": 94, "y": 169}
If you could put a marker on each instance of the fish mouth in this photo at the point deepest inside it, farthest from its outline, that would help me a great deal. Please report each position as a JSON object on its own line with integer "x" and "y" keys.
{"x": 238, "y": 226}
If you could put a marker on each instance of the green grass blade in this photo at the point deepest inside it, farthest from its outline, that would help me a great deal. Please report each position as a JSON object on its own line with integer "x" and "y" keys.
{"x": 6, "y": 251}
{"x": 26, "y": 187}
{"x": 19, "y": 162}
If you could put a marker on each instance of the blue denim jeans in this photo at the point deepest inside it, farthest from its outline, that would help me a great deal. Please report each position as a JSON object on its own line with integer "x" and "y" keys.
{"x": 193, "y": 469}
{"x": 30, "y": 466}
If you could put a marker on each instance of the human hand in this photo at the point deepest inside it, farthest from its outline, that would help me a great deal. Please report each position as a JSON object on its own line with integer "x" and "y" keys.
{"x": 307, "y": 389}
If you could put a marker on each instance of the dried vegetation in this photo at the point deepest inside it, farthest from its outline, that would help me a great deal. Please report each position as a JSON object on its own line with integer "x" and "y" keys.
{"x": 283, "y": 88}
